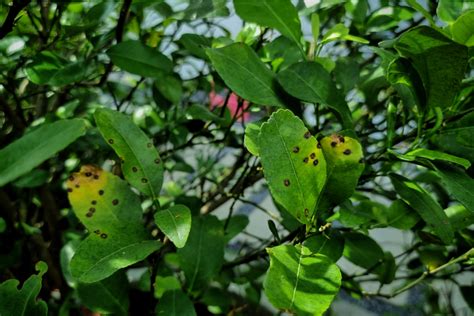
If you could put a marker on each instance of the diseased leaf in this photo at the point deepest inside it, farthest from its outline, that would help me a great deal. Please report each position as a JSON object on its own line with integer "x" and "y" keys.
{"x": 175, "y": 303}
{"x": 141, "y": 163}
{"x": 422, "y": 202}
{"x": 277, "y": 14}
{"x": 293, "y": 165}
{"x": 175, "y": 223}
{"x": 108, "y": 296}
{"x": 203, "y": 255}
{"x": 310, "y": 82}
{"x": 32, "y": 149}
{"x": 241, "y": 69}
{"x": 112, "y": 214}
{"x": 440, "y": 62}
{"x": 137, "y": 58}
{"x": 299, "y": 281}
{"x": 15, "y": 301}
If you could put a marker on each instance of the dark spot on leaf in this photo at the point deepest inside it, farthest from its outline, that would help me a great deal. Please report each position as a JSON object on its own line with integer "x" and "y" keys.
{"x": 92, "y": 210}
{"x": 306, "y": 212}
{"x": 96, "y": 177}
{"x": 69, "y": 189}
{"x": 71, "y": 178}
{"x": 89, "y": 214}
{"x": 103, "y": 235}
{"x": 144, "y": 180}
{"x": 111, "y": 141}
{"x": 88, "y": 174}
{"x": 115, "y": 202}
{"x": 97, "y": 231}
{"x": 312, "y": 156}
{"x": 305, "y": 160}
{"x": 307, "y": 135}
{"x": 101, "y": 192}
{"x": 318, "y": 145}
{"x": 122, "y": 160}
{"x": 134, "y": 169}
{"x": 315, "y": 162}
{"x": 77, "y": 186}
{"x": 333, "y": 144}
{"x": 157, "y": 160}
{"x": 93, "y": 202}
{"x": 347, "y": 152}
{"x": 341, "y": 138}
{"x": 149, "y": 145}
{"x": 296, "y": 149}
{"x": 286, "y": 182}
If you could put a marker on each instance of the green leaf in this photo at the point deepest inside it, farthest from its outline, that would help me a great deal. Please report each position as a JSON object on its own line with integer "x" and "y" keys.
{"x": 112, "y": 214}
{"x": 456, "y": 138}
{"x": 137, "y": 58}
{"x": 3, "y": 225}
{"x": 458, "y": 184}
{"x": 310, "y": 82}
{"x": 459, "y": 217}
{"x": 299, "y": 281}
{"x": 422, "y": 202}
{"x": 49, "y": 68}
{"x": 203, "y": 255}
{"x": 386, "y": 271}
{"x": 400, "y": 215}
{"x": 449, "y": 10}
{"x": 165, "y": 283}
{"x": 38, "y": 145}
{"x": 330, "y": 245}
{"x": 406, "y": 80}
{"x": 341, "y": 32}
{"x": 175, "y": 303}
{"x": 282, "y": 53}
{"x": 462, "y": 30}
{"x": 277, "y": 14}
{"x": 362, "y": 250}
{"x": 170, "y": 86}
{"x": 244, "y": 73}
{"x": 236, "y": 225}
{"x": 141, "y": 163}
{"x": 175, "y": 223}
{"x": 315, "y": 26}
{"x": 15, "y": 301}
{"x": 293, "y": 165}
{"x": 195, "y": 44}
{"x": 108, "y": 296}
{"x": 346, "y": 73}
{"x": 251, "y": 137}
{"x": 440, "y": 62}
{"x": 436, "y": 155}
{"x": 388, "y": 17}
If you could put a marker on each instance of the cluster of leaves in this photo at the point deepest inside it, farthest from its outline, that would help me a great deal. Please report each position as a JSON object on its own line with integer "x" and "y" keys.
{"x": 125, "y": 125}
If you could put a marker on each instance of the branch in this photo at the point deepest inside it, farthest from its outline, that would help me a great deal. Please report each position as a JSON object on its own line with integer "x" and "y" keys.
{"x": 10, "y": 20}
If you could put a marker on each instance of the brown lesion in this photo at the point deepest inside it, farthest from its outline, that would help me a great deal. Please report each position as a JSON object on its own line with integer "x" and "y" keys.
{"x": 87, "y": 177}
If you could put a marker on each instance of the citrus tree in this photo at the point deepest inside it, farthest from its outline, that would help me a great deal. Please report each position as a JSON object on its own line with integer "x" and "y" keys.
{"x": 139, "y": 138}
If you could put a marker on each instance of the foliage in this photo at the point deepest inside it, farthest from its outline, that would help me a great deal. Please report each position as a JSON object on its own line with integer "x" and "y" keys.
{"x": 139, "y": 137}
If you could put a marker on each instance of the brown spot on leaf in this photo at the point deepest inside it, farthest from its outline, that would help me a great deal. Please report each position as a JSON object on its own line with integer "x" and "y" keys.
{"x": 341, "y": 138}
{"x": 69, "y": 189}
{"x": 306, "y": 212}
{"x": 88, "y": 174}
{"x": 333, "y": 144}
{"x": 144, "y": 180}
{"x": 318, "y": 145}
{"x": 305, "y": 160}
{"x": 97, "y": 231}
{"x": 93, "y": 202}
{"x": 71, "y": 178}
{"x": 347, "y": 152}
{"x": 77, "y": 186}
{"x": 111, "y": 141}
{"x": 312, "y": 156}
{"x": 89, "y": 214}
{"x": 315, "y": 162}
{"x": 103, "y": 235}
{"x": 157, "y": 160}
{"x": 286, "y": 182}
{"x": 115, "y": 202}
{"x": 92, "y": 210}
{"x": 307, "y": 135}
{"x": 96, "y": 177}
{"x": 296, "y": 149}
{"x": 101, "y": 192}
{"x": 134, "y": 169}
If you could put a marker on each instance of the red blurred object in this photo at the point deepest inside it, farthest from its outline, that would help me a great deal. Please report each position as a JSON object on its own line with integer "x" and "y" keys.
{"x": 217, "y": 100}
